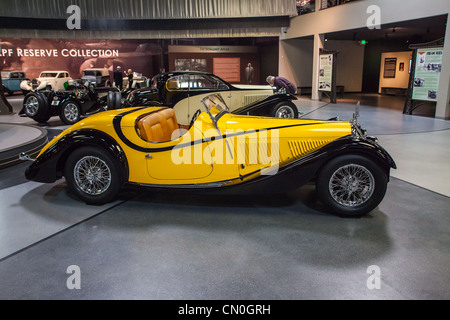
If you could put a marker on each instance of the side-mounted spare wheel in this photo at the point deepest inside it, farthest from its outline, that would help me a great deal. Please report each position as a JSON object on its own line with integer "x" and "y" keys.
{"x": 36, "y": 107}
{"x": 351, "y": 185}
{"x": 93, "y": 175}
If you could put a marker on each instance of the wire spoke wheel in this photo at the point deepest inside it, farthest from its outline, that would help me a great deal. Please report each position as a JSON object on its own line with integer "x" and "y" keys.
{"x": 92, "y": 175}
{"x": 32, "y": 106}
{"x": 351, "y": 185}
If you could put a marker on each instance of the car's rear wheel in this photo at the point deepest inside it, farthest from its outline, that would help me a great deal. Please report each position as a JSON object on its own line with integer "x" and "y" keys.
{"x": 351, "y": 185}
{"x": 284, "y": 109}
{"x": 92, "y": 175}
{"x": 70, "y": 112}
{"x": 36, "y": 107}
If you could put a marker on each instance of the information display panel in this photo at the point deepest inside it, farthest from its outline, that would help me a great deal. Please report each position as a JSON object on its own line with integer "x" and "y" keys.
{"x": 427, "y": 74}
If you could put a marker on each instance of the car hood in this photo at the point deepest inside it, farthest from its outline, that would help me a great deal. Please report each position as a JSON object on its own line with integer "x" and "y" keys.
{"x": 289, "y": 127}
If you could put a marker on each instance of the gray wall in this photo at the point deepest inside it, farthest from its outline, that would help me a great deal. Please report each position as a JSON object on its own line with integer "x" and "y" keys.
{"x": 350, "y": 64}
{"x": 353, "y": 15}
{"x": 298, "y": 53}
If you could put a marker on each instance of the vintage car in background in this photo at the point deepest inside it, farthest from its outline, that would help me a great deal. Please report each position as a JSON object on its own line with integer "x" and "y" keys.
{"x": 11, "y": 81}
{"x": 99, "y": 76}
{"x": 139, "y": 81}
{"x": 183, "y": 91}
{"x": 55, "y": 80}
{"x": 77, "y": 100}
{"x": 219, "y": 152}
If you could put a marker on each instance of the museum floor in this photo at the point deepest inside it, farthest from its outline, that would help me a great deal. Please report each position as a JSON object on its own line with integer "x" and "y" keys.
{"x": 150, "y": 245}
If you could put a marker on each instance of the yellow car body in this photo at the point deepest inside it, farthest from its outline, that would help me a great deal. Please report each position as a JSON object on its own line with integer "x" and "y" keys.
{"x": 218, "y": 151}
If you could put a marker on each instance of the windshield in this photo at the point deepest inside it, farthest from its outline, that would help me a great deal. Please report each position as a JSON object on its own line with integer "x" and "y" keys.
{"x": 91, "y": 73}
{"x": 215, "y": 106}
{"x": 5, "y": 74}
{"x": 48, "y": 75}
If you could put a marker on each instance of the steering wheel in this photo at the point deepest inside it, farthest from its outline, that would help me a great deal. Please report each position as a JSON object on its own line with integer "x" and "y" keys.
{"x": 194, "y": 117}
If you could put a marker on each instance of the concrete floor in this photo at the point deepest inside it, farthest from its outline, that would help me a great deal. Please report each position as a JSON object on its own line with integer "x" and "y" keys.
{"x": 150, "y": 245}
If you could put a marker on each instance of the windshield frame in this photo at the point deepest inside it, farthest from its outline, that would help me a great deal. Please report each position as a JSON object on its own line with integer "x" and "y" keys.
{"x": 208, "y": 99}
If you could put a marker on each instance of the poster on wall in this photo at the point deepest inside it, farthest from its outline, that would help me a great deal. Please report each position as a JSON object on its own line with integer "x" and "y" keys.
{"x": 191, "y": 65}
{"x": 325, "y": 72}
{"x": 390, "y": 64}
{"x": 227, "y": 68}
{"x": 75, "y": 55}
{"x": 427, "y": 74}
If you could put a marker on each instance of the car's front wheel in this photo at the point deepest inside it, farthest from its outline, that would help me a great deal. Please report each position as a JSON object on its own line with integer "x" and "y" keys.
{"x": 284, "y": 109}
{"x": 70, "y": 112}
{"x": 36, "y": 107}
{"x": 351, "y": 185}
{"x": 92, "y": 175}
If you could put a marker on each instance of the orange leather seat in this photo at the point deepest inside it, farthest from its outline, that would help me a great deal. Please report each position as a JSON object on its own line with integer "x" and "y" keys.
{"x": 159, "y": 126}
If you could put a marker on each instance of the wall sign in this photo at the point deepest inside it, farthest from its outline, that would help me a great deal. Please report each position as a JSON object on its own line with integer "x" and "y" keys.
{"x": 427, "y": 74}
{"x": 229, "y": 69}
{"x": 212, "y": 49}
{"x": 325, "y": 72}
{"x": 390, "y": 64}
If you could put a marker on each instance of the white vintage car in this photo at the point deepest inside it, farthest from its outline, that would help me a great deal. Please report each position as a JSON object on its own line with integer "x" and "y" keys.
{"x": 47, "y": 79}
{"x": 99, "y": 76}
{"x": 139, "y": 81}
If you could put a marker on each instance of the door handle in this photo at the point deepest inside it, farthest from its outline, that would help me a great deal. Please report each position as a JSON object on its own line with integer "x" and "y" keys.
{"x": 148, "y": 156}
{"x": 229, "y": 96}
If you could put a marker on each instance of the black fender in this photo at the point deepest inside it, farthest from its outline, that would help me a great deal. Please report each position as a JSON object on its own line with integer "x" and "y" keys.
{"x": 368, "y": 147}
{"x": 49, "y": 166}
{"x": 86, "y": 105}
{"x": 308, "y": 167}
{"x": 265, "y": 104}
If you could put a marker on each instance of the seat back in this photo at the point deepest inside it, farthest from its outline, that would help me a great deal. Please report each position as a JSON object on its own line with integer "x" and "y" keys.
{"x": 158, "y": 126}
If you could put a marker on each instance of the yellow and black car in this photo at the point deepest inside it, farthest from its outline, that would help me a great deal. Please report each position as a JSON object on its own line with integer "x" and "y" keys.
{"x": 216, "y": 152}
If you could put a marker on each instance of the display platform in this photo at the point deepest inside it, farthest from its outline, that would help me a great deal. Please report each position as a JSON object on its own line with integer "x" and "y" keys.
{"x": 17, "y": 138}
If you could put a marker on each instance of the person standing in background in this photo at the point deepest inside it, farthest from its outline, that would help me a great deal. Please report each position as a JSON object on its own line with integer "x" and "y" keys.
{"x": 130, "y": 78}
{"x": 280, "y": 83}
{"x": 118, "y": 78}
{"x": 249, "y": 71}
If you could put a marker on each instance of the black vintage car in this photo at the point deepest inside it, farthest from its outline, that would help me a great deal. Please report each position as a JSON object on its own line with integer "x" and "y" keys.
{"x": 183, "y": 91}
{"x": 70, "y": 104}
